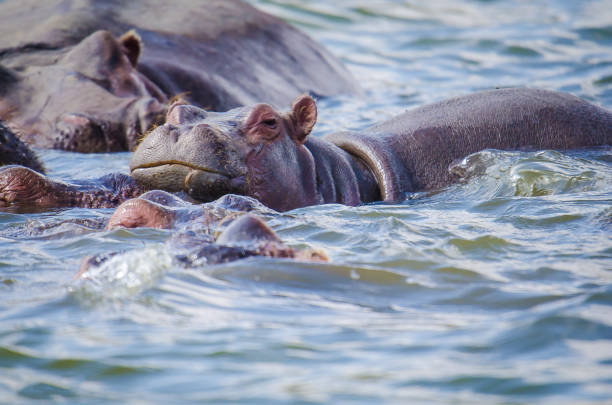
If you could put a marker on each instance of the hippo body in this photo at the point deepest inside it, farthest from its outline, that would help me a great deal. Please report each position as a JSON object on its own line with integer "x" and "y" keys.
{"x": 413, "y": 151}
{"x": 74, "y": 76}
{"x": 268, "y": 155}
{"x": 262, "y": 153}
{"x": 228, "y": 229}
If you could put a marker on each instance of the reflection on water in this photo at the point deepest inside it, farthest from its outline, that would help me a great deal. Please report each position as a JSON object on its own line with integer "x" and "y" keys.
{"x": 496, "y": 290}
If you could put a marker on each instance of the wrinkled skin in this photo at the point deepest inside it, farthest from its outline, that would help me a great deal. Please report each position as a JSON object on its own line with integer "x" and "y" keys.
{"x": 218, "y": 232}
{"x": 260, "y": 152}
{"x": 15, "y": 152}
{"x": 94, "y": 76}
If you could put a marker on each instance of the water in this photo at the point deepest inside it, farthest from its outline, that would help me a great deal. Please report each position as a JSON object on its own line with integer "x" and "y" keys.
{"x": 497, "y": 290}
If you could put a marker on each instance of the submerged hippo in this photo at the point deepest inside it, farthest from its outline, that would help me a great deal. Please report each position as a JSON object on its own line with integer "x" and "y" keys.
{"x": 93, "y": 76}
{"x": 260, "y": 152}
{"x": 218, "y": 232}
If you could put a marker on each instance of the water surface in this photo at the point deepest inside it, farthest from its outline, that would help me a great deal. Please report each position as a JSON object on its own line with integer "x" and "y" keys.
{"x": 497, "y": 290}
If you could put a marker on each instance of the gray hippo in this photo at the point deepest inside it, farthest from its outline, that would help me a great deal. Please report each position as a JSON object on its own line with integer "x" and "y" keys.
{"x": 218, "y": 232}
{"x": 266, "y": 154}
{"x": 261, "y": 152}
{"x": 92, "y": 76}
{"x": 15, "y": 152}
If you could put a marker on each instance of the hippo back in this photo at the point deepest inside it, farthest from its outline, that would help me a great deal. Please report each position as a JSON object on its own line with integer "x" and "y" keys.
{"x": 219, "y": 53}
{"x": 413, "y": 151}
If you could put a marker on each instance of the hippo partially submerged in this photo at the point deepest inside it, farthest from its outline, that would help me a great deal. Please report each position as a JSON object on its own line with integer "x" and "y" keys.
{"x": 15, "y": 152}
{"x": 260, "y": 152}
{"x": 93, "y": 76}
{"x": 218, "y": 232}
{"x": 266, "y": 154}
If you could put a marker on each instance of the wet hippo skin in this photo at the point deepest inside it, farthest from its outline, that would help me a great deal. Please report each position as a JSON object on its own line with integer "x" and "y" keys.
{"x": 92, "y": 76}
{"x": 218, "y": 232}
{"x": 261, "y": 152}
{"x": 266, "y": 154}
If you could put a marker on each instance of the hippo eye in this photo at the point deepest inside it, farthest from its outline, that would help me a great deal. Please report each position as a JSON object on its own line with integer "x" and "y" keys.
{"x": 270, "y": 122}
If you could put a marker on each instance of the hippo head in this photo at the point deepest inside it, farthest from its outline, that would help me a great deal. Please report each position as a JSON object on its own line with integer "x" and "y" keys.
{"x": 90, "y": 99}
{"x": 255, "y": 151}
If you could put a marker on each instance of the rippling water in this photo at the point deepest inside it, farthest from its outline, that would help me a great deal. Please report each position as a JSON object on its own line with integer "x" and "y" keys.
{"x": 497, "y": 290}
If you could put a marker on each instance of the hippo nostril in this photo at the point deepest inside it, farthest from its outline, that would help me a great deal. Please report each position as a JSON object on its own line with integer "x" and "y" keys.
{"x": 180, "y": 113}
{"x": 175, "y": 114}
{"x": 206, "y": 130}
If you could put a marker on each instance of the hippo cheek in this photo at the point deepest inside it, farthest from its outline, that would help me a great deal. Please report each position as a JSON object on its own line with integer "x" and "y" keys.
{"x": 208, "y": 186}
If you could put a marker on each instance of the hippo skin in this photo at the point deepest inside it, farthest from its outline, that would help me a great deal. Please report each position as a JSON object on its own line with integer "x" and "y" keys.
{"x": 265, "y": 154}
{"x": 94, "y": 75}
{"x": 225, "y": 230}
{"x": 260, "y": 152}
{"x": 15, "y": 152}
{"x": 26, "y": 189}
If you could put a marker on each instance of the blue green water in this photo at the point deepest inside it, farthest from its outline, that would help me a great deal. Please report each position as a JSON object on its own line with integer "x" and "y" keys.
{"x": 497, "y": 290}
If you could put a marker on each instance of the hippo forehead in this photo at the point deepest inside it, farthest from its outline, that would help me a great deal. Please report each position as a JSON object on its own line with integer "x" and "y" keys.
{"x": 230, "y": 119}
{"x": 227, "y": 122}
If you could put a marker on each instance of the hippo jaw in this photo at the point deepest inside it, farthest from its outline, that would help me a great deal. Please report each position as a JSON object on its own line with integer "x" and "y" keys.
{"x": 200, "y": 183}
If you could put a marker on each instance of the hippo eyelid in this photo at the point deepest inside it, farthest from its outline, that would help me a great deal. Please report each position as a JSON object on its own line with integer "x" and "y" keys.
{"x": 270, "y": 122}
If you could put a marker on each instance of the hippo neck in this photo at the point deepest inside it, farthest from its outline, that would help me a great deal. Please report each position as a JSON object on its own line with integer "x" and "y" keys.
{"x": 391, "y": 174}
{"x": 341, "y": 177}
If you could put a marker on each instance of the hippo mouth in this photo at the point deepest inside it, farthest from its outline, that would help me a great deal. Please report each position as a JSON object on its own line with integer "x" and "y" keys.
{"x": 201, "y": 183}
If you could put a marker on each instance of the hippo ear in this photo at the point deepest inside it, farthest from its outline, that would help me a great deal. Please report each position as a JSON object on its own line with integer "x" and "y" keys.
{"x": 304, "y": 116}
{"x": 131, "y": 45}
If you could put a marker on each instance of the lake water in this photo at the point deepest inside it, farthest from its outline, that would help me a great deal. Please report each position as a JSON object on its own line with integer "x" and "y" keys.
{"x": 497, "y": 290}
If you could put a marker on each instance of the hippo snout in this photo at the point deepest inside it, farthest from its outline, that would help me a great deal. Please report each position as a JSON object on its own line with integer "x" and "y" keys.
{"x": 179, "y": 114}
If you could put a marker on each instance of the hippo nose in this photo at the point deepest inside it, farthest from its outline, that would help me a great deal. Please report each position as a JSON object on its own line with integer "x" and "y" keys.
{"x": 179, "y": 114}
{"x": 150, "y": 112}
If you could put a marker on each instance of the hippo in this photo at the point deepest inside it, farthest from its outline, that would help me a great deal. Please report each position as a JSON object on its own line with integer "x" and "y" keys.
{"x": 94, "y": 76}
{"x": 25, "y": 189}
{"x": 14, "y": 152}
{"x": 225, "y": 230}
{"x": 266, "y": 154}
